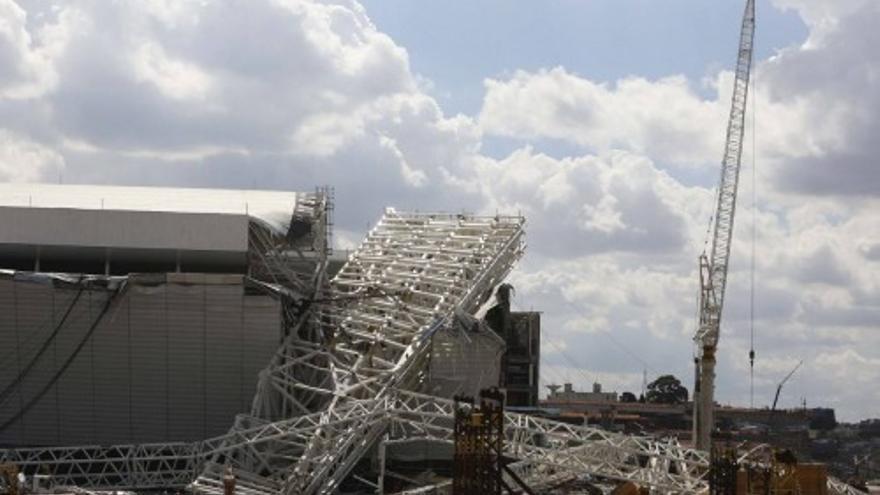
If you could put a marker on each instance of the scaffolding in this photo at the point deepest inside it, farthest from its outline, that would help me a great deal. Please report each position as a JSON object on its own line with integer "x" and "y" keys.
{"x": 479, "y": 445}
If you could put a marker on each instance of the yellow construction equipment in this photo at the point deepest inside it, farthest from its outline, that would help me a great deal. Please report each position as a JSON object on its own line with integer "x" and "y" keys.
{"x": 9, "y": 478}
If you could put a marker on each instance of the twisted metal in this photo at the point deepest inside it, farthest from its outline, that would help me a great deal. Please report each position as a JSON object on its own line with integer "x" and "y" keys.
{"x": 341, "y": 382}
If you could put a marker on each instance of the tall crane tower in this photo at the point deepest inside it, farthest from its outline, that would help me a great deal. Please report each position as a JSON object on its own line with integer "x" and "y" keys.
{"x": 713, "y": 269}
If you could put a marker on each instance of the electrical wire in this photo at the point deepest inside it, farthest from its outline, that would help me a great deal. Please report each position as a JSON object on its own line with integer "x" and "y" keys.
{"x": 614, "y": 340}
{"x": 545, "y": 335}
{"x": 606, "y": 333}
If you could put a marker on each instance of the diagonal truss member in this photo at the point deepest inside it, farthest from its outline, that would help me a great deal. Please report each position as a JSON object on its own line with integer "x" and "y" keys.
{"x": 546, "y": 451}
{"x": 365, "y": 336}
{"x": 338, "y": 384}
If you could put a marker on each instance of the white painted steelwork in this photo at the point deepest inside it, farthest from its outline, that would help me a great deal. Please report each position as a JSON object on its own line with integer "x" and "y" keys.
{"x": 549, "y": 452}
{"x": 368, "y": 336}
{"x": 339, "y": 384}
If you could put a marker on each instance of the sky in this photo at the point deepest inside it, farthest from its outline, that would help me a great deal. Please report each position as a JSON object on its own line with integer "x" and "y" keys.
{"x": 601, "y": 121}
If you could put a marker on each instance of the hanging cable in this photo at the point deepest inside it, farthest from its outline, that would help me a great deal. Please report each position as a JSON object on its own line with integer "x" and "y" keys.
{"x": 614, "y": 340}
{"x": 27, "y": 369}
{"x": 39, "y": 395}
{"x": 34, "y": 336}
{"x": 754, "y": 243}
{"x": 546, "y": 337}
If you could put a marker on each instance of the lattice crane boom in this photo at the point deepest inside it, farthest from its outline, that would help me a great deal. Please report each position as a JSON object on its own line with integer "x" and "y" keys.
{"x": 713, "y": 269}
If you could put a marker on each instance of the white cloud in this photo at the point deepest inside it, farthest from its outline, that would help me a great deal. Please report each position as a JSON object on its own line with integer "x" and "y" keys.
{"x": 174, "y": 78}
{"x": 324, "y": 134}
{"x": 319, "y": 96}
{"x": 664, "y": 119}
{"x": 833, "y": 85}
{"x": 290, "y": 94}
{"x": 22, "y": 160}
{"x": 27, "y": 59}
{"x": 617, "y": 201}
{"x": 822, "y": 15}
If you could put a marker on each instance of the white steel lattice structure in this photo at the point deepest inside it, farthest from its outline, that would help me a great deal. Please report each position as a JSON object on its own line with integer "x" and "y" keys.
{"x": 549, "y": 449}
{"x": 366, "y": 337}
{"x": 549, "y": 452}
{"x": 341, "y": 383}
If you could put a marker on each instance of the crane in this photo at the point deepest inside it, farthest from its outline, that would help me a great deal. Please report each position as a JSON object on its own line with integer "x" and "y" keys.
{"x": 779, "y": 387}
{"x": 713, "y": 268}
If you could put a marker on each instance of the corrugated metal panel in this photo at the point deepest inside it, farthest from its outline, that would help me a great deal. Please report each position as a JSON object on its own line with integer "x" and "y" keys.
{"x": 36, "y": 316}
{"x": 111, "y": 375}
{"x": 149, "y": 362}
{"x": 10, "y": 358}
{"x": 224, "y": 355}
{"x": 259, "y": 312}
{"x": 186, "y": 322}
{"x": 463, "y": 363}
{"x": 73, "y": 390}
{"x": 167, "y": 362}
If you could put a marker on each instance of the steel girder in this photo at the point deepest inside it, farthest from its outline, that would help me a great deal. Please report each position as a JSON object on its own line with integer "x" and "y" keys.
{"x": 117, "y": 467}
{"x": 552, "y": 449}
{"x": 337, "y": 384}
{"x": 547, "y": 452}
{"x": 368, "y": 334}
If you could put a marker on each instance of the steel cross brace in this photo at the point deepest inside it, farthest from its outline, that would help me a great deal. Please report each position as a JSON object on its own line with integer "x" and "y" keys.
{"x": 548, "y": 452}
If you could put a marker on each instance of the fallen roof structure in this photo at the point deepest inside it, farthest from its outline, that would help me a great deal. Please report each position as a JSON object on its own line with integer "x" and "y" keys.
{"x": 347, "y": 377}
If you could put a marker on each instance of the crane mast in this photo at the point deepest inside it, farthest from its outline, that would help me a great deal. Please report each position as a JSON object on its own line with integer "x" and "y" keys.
{"x": 713, "y": 269}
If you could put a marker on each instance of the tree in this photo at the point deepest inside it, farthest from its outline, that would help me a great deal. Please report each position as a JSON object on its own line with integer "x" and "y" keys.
{"x": 667, "y": 389}
{"x": 628, "y": 397}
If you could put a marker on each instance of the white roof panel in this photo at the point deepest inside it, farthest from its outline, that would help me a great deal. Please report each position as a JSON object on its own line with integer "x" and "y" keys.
{"x": 275, "y": 208}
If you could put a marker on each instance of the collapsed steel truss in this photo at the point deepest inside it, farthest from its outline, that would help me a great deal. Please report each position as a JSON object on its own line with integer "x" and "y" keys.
{"x": 343, "y": 382}
{"x": 549, "y": 452}
{"x": 366, "y": 337}
{"x": 545, "y": 449}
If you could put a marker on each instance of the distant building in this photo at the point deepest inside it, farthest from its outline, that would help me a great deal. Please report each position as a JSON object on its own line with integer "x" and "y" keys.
{"x": 605, "y": 408}
{"x": 568, "y": 394}
{"x": 522, "y": 359}
{"x": 521, "y": 333}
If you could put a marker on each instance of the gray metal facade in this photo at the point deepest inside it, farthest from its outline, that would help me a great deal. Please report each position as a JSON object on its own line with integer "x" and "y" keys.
{"x": 160, "y": 358}
{"x": 523, "y": 359}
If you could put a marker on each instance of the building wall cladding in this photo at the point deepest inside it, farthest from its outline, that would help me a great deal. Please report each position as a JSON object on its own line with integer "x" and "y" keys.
{"x": 522, "y": 361}
{"x": 124, "y": 229}
{"x": 463, "y": 362}
{"x": 174, "y": 358}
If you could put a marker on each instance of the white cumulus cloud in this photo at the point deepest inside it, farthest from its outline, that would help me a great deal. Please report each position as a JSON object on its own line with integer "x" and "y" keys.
{"x": 665, "y": 119}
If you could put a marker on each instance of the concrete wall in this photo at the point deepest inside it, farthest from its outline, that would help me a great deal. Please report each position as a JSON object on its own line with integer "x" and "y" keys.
{"x": 175, "y": 358}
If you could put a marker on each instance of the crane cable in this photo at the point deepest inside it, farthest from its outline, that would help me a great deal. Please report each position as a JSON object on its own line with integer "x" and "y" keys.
{"x": 754, "y": 243}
